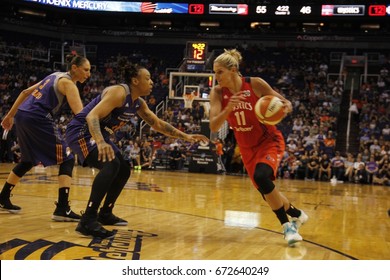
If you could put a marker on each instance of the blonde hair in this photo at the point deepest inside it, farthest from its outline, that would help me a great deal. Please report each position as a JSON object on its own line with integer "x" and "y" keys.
{"x": 229, "y": 58}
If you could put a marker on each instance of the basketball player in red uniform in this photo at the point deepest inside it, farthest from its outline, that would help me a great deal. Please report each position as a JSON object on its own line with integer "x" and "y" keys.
{"x": 262, "y": 146}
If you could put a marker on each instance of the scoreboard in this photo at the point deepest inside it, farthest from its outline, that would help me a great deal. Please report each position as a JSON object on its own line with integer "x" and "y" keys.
{"x": 324, "y": 9}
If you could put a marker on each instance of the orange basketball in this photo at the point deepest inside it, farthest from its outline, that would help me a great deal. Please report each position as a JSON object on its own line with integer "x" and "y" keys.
{"x": 269, "y": 110}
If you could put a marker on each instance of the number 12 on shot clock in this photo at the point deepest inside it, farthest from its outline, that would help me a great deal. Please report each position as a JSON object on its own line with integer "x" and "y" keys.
{"x": 197, "y": 50}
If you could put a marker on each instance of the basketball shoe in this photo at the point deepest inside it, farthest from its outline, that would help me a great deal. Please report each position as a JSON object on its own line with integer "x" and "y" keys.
{"x": 63, "y": 213}
{"x": 6, "y": 205}
{"x": 291, "y": 234}
{"x": 301, "y": 220}
{"x": 89, "y": 226}
{"x": 109, "y": 219}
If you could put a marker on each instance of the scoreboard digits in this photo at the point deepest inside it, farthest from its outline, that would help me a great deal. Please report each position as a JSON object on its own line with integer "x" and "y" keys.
{"x": 318, "y": 11}
{"x": 261, "y": 9}
{"x": 378, "y": 10}
{"x": 305, "y": 10}
{"x": 282, "y": 10}
{"x": 196, "y": 51}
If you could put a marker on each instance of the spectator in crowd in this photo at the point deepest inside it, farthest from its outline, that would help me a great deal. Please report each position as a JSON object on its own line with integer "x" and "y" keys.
{"x": 312, "y": 168}
{"x": 349, "y": 167}
{"x": 325, "y": 171}
{"x": 219, "y": 151}
{"x": 176, "y": 158}
{"x": 383, "y": 175}
{"x": 386, "y": 132}
{"x": 135, "y": 155}
{"x": 374, "y": 147}
{"x": 338, "y": 167}
{"x": 310, "y": 142}
{"x": 361, "y": 176}
{"x": 371, "y": 168}
{"x": 146, "y": 155}
{"x": 301, "y": 162}
{"x": 291, "y": 146}
{"x": 329, "y": 144}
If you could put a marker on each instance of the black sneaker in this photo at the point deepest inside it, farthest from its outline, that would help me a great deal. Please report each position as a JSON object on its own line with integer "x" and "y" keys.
{"x": 110, "y": 219}
{"x": 93, "y": 228}
{"x": 6, "y": 205}
{"x": 64, "y": 214}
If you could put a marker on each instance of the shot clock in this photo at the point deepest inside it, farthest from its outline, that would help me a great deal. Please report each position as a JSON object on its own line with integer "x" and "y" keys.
{"x": 196, "y": 55}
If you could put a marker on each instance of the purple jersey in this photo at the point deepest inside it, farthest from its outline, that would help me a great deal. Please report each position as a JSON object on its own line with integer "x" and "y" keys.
{"x": 77, "y": 132}
{"x": 46, "y": 98}
{"x": 39, "y": 139}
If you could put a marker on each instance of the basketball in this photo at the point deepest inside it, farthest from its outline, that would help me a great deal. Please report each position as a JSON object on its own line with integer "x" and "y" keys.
{"x": 269, "y": 110}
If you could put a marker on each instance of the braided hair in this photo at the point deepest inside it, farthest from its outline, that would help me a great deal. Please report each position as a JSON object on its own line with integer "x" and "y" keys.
{"x": 130, "y": 71}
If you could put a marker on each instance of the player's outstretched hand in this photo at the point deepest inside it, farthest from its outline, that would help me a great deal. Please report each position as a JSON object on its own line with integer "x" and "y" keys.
{"x": 197, "y": 138}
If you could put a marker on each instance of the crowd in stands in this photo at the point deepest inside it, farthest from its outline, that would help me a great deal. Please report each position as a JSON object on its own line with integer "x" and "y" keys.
{"x": 299, "y": 74}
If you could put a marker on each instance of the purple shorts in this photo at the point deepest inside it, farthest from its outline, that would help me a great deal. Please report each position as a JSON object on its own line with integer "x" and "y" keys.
{"x": 40, "y": 140}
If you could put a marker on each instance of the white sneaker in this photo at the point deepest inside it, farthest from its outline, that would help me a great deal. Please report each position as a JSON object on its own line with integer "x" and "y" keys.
{"x": 291, "y": 234}
{"x": 302, "y": 219}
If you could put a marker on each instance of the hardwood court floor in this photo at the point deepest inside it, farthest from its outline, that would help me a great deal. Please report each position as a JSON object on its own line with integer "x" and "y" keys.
{"x": 189, "y": 216}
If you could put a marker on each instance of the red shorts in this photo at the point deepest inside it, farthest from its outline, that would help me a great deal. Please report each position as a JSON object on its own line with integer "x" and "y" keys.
{"x": 270, "y": 152}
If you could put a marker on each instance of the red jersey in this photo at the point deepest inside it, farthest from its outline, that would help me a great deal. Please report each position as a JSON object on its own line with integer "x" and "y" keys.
{"x": 258, "y": 142}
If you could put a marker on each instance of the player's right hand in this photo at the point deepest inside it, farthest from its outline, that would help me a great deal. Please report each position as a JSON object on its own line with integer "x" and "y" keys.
{"x": 236, "y": 99}
{"x": 7, "y": 122}
{"x": 106, "y": 152}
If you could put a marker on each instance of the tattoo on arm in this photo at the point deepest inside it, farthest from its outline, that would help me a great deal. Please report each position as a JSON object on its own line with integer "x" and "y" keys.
{"x": 160, "y": 125}
{"x": 165, "y": 127}
{"x": 145, "y": 114}
{"x": 170, "y": 130}
{"x": 148, "y": 118}
{"x": 94, "y": 128}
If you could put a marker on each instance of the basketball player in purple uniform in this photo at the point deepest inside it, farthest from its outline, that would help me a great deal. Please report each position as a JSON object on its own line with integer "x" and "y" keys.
{"x": 34, "y": 113}
{"x": 88, "y": 135}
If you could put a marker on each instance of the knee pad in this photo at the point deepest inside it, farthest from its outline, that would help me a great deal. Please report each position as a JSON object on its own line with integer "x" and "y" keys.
{"x": 22, "y": 168}
{"x": 66, "y": 168}
{"x": 262, "y": 177}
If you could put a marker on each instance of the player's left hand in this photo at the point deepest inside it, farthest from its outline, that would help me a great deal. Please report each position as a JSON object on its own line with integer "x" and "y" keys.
{"x": 106, "y": 152}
